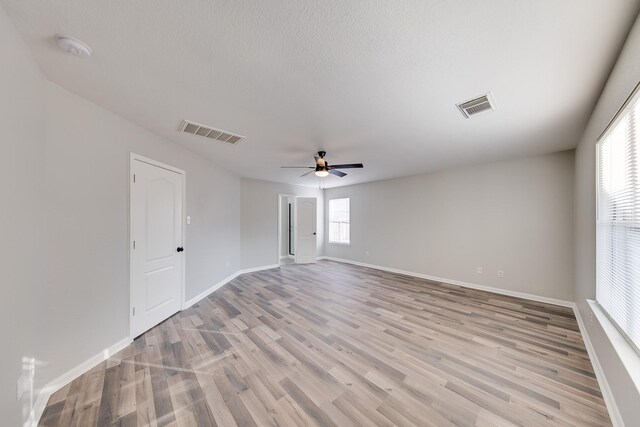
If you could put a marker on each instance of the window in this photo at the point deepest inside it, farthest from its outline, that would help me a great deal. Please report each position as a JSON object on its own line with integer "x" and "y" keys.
{"x": 618, "y": 221}
{"x": 339, "y": 221}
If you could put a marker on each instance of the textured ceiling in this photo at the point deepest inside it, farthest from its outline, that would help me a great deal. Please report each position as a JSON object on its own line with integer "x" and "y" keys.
{"x": 368, "y": 81}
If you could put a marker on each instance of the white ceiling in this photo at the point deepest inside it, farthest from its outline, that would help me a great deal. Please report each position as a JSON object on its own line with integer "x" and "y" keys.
{"x": 368, "y": 81}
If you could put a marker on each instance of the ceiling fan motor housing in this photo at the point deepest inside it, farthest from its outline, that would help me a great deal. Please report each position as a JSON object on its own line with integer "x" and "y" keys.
{"x": 323, "y": 168}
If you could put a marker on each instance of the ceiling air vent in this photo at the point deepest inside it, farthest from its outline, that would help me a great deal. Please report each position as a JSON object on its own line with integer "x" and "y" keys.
{"x": 209, "y": 132}
{"x": 476, "y": 105}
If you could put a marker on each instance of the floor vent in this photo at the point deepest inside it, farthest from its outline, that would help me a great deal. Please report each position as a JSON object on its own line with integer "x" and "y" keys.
{"x": 476, "y": 105}
{"x": 209, "y": 132}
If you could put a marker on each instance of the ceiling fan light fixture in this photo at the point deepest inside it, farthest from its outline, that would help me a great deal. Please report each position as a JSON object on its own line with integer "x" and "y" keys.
{"x": 322, "y": 168}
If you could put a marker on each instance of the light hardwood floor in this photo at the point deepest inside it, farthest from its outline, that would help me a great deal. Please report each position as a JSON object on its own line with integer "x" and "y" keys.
{"x": 335, "y": 344}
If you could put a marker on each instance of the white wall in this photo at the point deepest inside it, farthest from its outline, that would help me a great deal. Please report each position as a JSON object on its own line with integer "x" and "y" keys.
{"x": 64, "y": 187}
{"x": 624, "y": 77}
{"x": 64, "y": 219}
{"x": 515, "y": 216}
{"x": 259, "y": 214}
{"x": 87, "y": 190}
{"x": 22, "y": 257}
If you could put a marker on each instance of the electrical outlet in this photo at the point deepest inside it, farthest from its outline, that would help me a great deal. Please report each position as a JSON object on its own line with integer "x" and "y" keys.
{"x": 500, "y": 273}
{"x": 188, "y": 220}
{"x": 591, "y": 318}
{"x": 479, "y": 270}
{"x": 366, "y": 253}
{"x": 228, "y": 264}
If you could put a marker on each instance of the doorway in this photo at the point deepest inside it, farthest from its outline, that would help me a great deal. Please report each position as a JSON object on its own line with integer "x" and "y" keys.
{"x": 156, "y": 252}
{"x": 286, "y": 229}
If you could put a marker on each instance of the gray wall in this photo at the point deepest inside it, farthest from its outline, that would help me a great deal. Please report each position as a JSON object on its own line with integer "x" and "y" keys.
{"x": 65, "y": 225}
{"x": 622, "y": 80}
{"x": 65, "y": 219}
{"x": 87, "y": 186}
{"x": 259, "y": 214}
{"x": 22, "y": 256}
{"x": 515, "y": 216}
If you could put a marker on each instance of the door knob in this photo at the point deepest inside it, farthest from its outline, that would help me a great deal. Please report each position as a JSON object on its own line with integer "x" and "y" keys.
{"x": 180, "y": 249}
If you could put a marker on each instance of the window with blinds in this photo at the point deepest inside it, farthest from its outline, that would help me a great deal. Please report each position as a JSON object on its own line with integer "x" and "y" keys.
{"x": 618, "y": 221}
{"x": 339, "y": 221}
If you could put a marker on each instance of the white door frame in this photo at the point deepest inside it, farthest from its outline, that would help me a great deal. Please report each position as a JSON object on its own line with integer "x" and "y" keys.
{"x": 136, "y": 157}
{"x": 279, "y": 222}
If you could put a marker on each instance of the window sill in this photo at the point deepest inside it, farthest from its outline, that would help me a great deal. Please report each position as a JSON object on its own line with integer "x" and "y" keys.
{"x": 340, "y": 243}
{"x": 628, "y": 356}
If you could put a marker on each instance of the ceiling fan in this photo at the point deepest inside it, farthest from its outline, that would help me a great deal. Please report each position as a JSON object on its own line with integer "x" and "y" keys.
{"x": 322, "y": 167}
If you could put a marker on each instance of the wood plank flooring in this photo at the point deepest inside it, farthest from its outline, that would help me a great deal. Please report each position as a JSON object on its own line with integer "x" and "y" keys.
{"x": 338, "y": 345}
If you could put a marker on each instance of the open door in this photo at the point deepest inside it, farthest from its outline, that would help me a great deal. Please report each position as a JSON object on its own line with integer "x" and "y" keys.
{"x": 286, "y": 229}
{"x": 306, "y": 217}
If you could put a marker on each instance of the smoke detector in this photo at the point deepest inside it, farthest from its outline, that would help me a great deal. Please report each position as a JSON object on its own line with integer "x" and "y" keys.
{"x": 74, "y": 46}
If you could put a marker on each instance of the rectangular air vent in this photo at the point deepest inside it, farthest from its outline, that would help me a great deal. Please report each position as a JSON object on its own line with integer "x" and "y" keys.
{"x": 476, "y": 105}
{"x": 209, "y": 132}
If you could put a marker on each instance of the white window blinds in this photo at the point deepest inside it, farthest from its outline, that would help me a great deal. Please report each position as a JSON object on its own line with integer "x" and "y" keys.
{"x": 618, "y": 222}
{"x": 339, "y": 221}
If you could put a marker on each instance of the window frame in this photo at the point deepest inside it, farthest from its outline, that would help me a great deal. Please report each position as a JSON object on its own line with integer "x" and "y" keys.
{"x": 625, "y": 109}
{"x": 334, "y": 242}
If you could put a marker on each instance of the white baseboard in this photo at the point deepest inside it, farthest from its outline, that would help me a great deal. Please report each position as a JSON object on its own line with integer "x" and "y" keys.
{"x": 223, "y": 282}
{"x": 64, "y": 379}
{"x": 206, "y": 293}
{"x": 457, "y": 282}
{"x": 614, "y": 412}
{"x": 286, "y": 257}
{"x": 264, "y": 267}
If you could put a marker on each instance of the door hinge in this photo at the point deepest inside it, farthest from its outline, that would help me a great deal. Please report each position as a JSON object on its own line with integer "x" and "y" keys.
{"x": 134, "y": 178}
{"x": 134, "y": 244}
{"x": 134, "y": 311}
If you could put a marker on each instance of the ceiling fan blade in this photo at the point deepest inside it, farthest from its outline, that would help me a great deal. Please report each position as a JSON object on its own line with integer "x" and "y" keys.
{"x": 337, "y": 173}
{"x": 348, "y": 166}
{"x": 297, "y": 167}
{"x": 305, "y": 174}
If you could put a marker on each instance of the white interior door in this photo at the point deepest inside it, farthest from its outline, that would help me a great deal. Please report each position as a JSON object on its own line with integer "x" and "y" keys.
{"x": 306, "y": 217}
{"x": 156, "y": 244}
